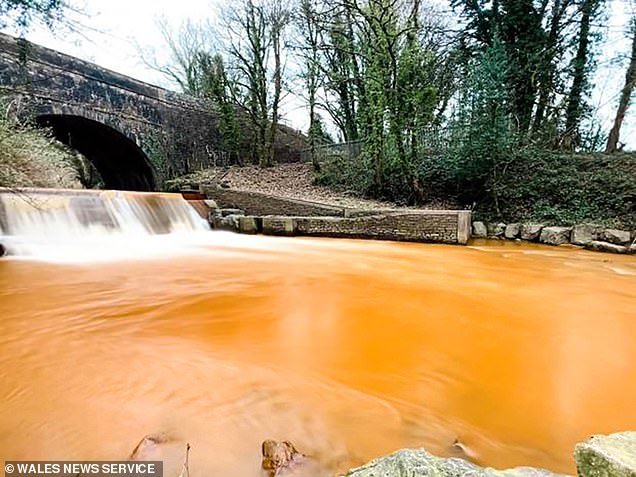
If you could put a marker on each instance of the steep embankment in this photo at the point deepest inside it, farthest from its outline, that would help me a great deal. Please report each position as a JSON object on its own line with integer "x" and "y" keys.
{"x": 295, "y": 181}
{"x": 29, "y": 157}
{"x": 565, "y": 189}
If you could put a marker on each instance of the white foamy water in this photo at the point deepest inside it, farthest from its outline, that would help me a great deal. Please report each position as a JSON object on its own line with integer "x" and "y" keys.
{"x": 87, "y": 225}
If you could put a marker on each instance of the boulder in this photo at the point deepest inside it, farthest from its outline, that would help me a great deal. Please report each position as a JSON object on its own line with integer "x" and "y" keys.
{"x": 496, "y": 230}
{"x": 282, "y": 459}
{"x": 555, "y": 235}
{"x": 273, "y": 225}
{"x": 480, "y": 230}
{"x": 420, "y": 463}
{"x": 531, "y": 232}
{"x": 247, "y": 225}
{"x": 598, "y": 246}
{"x": 583, "y": 234}
{"x": 607, "y": 456}
{"x": 632, "y": 249}
{"x": 226, "y": 212}
{"x": 211, "y": 203}
{"x": 512, "y": 231}
{"x": 619, "y": 237}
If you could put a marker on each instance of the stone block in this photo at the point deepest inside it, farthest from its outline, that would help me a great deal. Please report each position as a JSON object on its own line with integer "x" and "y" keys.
{"x": 247, "y": 225}
{"x": 555, "y": 235}
{"x": 583, "y": 234}
{"x": 480, "y": 230}
{"x": 598, "y": 246}
{"x": 279, "y": 225}
{"x": 618, "y": 237}
{"x": 531, "y": 232}
{"x": 496, "y": 230}
{"x": 512, "y": 231}
{"x": 607, "y": 456}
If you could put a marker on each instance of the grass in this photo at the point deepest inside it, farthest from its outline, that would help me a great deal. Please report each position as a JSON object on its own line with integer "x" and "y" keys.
{"x": 31, "y": 157}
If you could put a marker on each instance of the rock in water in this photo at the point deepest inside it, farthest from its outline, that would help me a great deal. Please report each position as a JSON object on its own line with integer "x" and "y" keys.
{"x": 555, "y": 235}
{"x": 512, "y": 231}
{"x": 479, "y": 230}
{"x": 607, "y": 456}
{"x": 618, "y": 237}
{"x": 597, "y": 246}
{"x": 420, "y": 463}
{"x": 3, "y": 251}
{"x": 531, "y": 232}
{"x": 585, "y": 233}
{"x": 496, "y": 230}
{"x": 282, "y": 459}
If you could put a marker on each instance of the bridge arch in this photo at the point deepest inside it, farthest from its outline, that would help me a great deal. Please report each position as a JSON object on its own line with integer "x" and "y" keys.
{"x": 122, "y": 164}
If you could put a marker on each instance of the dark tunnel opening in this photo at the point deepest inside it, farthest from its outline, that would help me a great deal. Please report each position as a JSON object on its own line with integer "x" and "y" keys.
{"x": 120, "y": 162}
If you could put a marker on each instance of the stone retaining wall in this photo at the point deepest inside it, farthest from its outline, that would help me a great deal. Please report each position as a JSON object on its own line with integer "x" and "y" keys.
{"x": 440, "y": 226}
{"x": 425, "y": 226}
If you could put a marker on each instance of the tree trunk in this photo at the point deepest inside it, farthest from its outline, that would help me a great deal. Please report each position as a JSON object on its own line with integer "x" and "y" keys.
{"x": 630, "y": 79}
{"x": 575, "y": 98}
{"x": 546, "y": 82}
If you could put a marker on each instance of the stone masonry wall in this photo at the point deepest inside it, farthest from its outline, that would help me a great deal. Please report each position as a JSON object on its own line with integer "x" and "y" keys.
{"x": 424, "y": 226}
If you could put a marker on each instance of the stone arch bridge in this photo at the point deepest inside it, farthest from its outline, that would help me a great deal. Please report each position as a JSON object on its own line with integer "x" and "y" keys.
{"x": 135, "y": 134}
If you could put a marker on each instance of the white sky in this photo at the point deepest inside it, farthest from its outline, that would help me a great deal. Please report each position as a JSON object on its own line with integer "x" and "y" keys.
{"x": 113, "y": 31}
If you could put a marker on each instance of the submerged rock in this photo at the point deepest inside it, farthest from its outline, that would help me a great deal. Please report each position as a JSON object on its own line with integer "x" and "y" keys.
{"x": 420, "y": 463}
{"x": 585, "y": 233}
{"x": 512, "y": 231}
{"x": 598, "y": 246}
{"x": 480, "y": 230}
{"x": 555, "y": 235}
{"x": 531, "y": 232}
{"x": 607, "y": 456}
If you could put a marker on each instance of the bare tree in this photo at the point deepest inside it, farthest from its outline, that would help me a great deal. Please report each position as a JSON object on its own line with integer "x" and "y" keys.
{"x": 256, "y": 34}
{"x": 185, "y": 46}
{"x": 626, "y": 95}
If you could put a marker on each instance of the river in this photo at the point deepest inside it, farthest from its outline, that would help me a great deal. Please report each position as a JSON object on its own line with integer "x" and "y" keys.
{"x": 349, "y": 349}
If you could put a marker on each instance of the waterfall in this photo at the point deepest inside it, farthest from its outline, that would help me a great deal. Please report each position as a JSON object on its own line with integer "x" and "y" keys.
{"x": 33, "y": 222}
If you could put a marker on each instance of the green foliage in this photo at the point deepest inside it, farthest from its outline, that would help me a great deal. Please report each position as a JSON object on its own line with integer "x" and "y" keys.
{"x": 566, "y": 189}
{"x": 154, "y": 146}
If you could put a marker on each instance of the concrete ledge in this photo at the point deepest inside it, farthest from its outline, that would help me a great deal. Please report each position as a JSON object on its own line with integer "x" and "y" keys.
{"x": 425, "y": 226}
{"x": 279, "y": 225}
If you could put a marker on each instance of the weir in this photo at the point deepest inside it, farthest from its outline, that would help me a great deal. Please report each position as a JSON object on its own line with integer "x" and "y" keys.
{"x": 33, "y": 218}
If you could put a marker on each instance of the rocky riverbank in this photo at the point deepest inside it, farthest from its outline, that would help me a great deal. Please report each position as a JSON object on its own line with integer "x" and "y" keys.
{"x": 590, "y": 236}
{"x": 600, "y": 456}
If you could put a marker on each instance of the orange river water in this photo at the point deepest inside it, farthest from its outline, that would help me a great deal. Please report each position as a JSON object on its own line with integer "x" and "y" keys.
{"x": 349, "y": 349}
